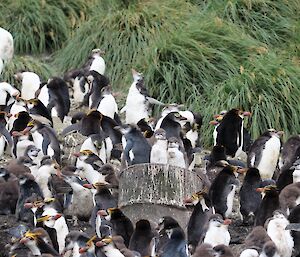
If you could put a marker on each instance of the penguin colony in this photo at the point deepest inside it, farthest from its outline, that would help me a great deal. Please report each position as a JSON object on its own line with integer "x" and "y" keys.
{"x": 49, "y": 195}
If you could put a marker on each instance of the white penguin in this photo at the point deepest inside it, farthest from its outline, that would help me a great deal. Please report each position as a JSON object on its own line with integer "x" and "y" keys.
{"x": 175, "y": 155}
{"x": 98, "y": 63}
{"x": 159, "y": 150}
{"x": 30, "y": 83}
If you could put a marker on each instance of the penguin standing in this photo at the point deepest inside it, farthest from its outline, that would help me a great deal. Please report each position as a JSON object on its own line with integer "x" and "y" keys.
{"x": 98, "y": 63}
{"x": 30, "y": 83}
{"x": 264, "y": 153}
{"x": 5, "y": 136}
{"x": 217, "y": 231}
{"x": 6, "y": 48}
{"x": 137, "y": 149}
{"x": 159, "y": 148}
{"x": 250, "y": 199}
{"x": 198, "y": 219}
{"x": 39, "y": 112}
{"x": 222, "y": 190}
{"x": 7, "y": 95}
{"x": 142, "y": 238}
{"x": 175, "y": 156}
{"x": 280, "y": 236}
{"x": 294, "y": 217}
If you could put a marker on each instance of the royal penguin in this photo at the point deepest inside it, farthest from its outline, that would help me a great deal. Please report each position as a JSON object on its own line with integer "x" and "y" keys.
{"x": 9, "y": 192}
{"x": 35, "y": 241}
{"x": 6, "y": 48}
{"x": 30, "y": 83}
{"x": 5, "y": 137}
{"x": 250, "y": 199}
{"x": 98, "y": 63}
{"x": 269, "y": 203}
{"x": 159, "y": 150}
{"x": 82, "y": 202}
{"x": 109, "y": 248}
{"x": 45, "y": 139}
{"x": 276, "y": 229}
{"x": 73, "y": 242}
{"x": 176, "y": 156}
{"x": 290, "y": 152}
{"x": 217, "y": 231}
{"x": 137, "y": 149}
{"x": 8, "y": 94}
{"x": 171, "y": 124}
{"x": 176, "y": 245}
{"x": 121, "y": 224}
{"x": 230, "y": 132}
{"x": 59, "y": 99}
{"x": 198, "y": 219}
{"x": 39, "y": 112}
{"x": 289, "y": 197}
{"x": 28, "y": 187}
{"x": 264, "y": 153}
{"x": 138, "y": 101}
{"x": 142, "y": 238}
{"x": 222, "y": 190}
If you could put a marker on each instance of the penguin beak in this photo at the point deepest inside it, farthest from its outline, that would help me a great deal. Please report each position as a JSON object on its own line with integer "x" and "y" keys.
{"x": 26, "y": 130}
{"x": 24, "y": 240}
{"x": 89, "y": 186}
{"x": 28, "y": 205}
{"x": 213, "y": 122}
{"x": 100, "y": 244}
{"x": 242, "y": 170}
{"x": 44, "y": 218}
{"x": 57, "y": 216}
{"x": 17, "y": 133}
{"x": 188, "y": 201}
{"x": 227, "y": 222}
{"x": 260, "y": 190}
{"x": 16, "y": 94}
{"x": 247, "y": 114}
{"x": 76, "y": 154}
{"x": 83, "y": 249}
{"x": 280, "y": 133}
{"x": 102, "y": 213}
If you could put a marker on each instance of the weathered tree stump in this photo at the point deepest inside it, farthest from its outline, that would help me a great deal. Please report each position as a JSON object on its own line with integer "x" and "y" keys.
{"x": 151, "y": 191}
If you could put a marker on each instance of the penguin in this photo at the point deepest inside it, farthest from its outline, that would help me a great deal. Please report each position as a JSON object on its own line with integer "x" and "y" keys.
{"x": 264, "y": 153}
{"x": 159, "y": 153}
{"x": 74, "y": 241}
{"x": 35, "y": 242}
{"x": 27, "y": 187}
{"x": 176, "y": 245}
{"x": 82, "y": 201}
{"x": 7, "y": 95}
{"x": 39, "y": 112}
{"x": 30, "y": 83}
{"x": 269, "y": 250}
{"x": 90, "y": 248}
{"x": 223, "y": 251}
{"x": 146, "y": 127}
{"x": 289, "y": 197}
{"x": 175, "y": 155}
{"x": 17, "y": 111}
{"x": 108, "y": 247}
{"x": 281, "y": 237}
{"x": 6, "y": 48}
{"x": 5, "y": 136}
{"x": 121, "y": 224}
{"x": 171, "y": 124}
{"x": 98, "y": 63}
{"x": 9, "y": 192}
{"x": 222, "y": 190}
{"x": 137, "y": 149}
{"x": 294, "y": 217}
{"x": 18, "y": 166}
{"x": 198, "y": 219}
{"x": 269, "y": 203}
{"x": 45, "y": 139}
{"x": 250, "y": 199}
{"x": 217, "y": 231}
{"x": 285, "y": 178}
{"x": 59, "y": 99}
{"x": 290, "y": 152}
{"x": 142, "y": 238}
{"x": 138, "y": 101}
{"x": 230, "y": 132}
{"x": 204, "y": 250}
{"x": 296, "y": 172}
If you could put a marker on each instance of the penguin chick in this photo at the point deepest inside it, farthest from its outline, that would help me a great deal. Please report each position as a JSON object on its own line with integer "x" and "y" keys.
{"x": 290, "y": 152}
{"x": 204, "y": 250}
{"x": 250, "y": 199}
{"x": 175, "y": 155}
{"x": 257, "y": 238}
{"x": 141, "y": 239}
{"x": 280, "y": 236}
{"x": 294, "y": 217}
{"x": 264, "y": 153}
{"x": 270, "y": 250}
{"x": 289, "y": 197}
{"x": 217, "y": 232}
{"x": 159, "y": 152}
{"x": 223, "y": 251}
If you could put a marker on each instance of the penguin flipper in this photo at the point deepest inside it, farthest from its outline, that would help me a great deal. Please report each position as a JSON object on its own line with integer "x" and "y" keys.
{"x": 70, "y": 129}
{"x": 154, "y": 101}
{"x": 45, "y": 144}
{"x": 6, "y": 135}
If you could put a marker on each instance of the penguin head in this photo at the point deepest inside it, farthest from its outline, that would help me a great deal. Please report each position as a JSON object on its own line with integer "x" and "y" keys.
{"x": 97, "y": 52}
{"x": 196, "y": 197}
{"x": 32, "y": 152}
{"x": 104, "y": 242}
{"x": 216, "y": 220}
{"x": 222, "y": 250}
{"x": 89, "y": 246}
{"x": 173, "y": 142}
{"x": 3, "y": 173}
{"x": 136, "y": 75}
{"x": 274, "y": 132}
{"x": 84, "y": 154}
{"x": 49, "y": 220}
{"x": 31, "y": 103}
{"x": 160, "y": 134}
{"x": 34, "y": 202}
{"x": 268, "y": 189}
{"x": 26, "y": 178}
{"x": 166, "y": 223}
{"x": 106, "y": 90}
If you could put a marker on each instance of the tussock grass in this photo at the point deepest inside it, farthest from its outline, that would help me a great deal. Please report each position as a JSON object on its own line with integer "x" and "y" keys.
{"x": 27, "y": 63}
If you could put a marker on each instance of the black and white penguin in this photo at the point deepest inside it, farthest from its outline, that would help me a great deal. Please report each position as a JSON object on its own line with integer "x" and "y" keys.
{"x": 74, "y": 241}
{"x": 30, "y": 83}
{"x": 198, "y": 219}
{"x": 230, "y": 132}
{"x": 171, "y": 124}
{"x": 59, "y": 99}
{"x": 176, "y": 157}
{"x": 5, "y": 136}
{"x": 98, "y": 63}
{"x": 109, "y": 248}
{"x": 264, "y": 153}
{"x": 35, "y": 241}
{"x": 159, "y": 153}
{"x": 6, "y": 48}
{"x": 282, "y": 238}
{"x": 217, "y": 232}
{"x": 293, "y": 218}
{"x": 222, "y": 190}
{"x": 289, "y": 197}
{"x": 45, "y": 139}
{"x": 269, "y": 203}
{"x": 142, "y": 238}
{"x": 28, "y": 187}
{"x": 38, "y": 111}
{"x": 250, "y": 199}
{"x": 137, "y": 149}
{"x": 121, "y": 224}
{"x": 7, "y": 95}
{"x": 290, "y": 152}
